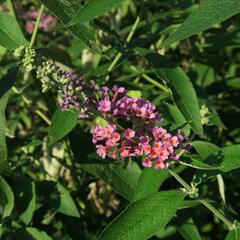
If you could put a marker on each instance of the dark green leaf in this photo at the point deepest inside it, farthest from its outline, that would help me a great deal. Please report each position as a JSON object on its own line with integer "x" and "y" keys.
{"x": 65, "y": 10}
{"x": 227, "y": 157}
{"x": 25, "y": 198}
{"x": 197, "y": 162}
{"x": 183, "y": 92}
{"x": 204, "y": 149}
{"x": 93, "y": 9}
{"x": 86, "y": 35}
{"x": 189, "y": 231}
{"x": 11, "y": 35}
{"x": 5, "y": 93}
{"x": 143, "y": 218}
{"x": 6, "y": 198}
{"x": 62, "y": 123}
{"x": 210, "y": 12}
{"x": 225, "y": 160}
{"x": 233, "y": 235}
{"x": 189, "y": 204}
{"x": 123, "y": 180}
{"x": 30, "y": 234}
{"x": 175, "y": 118}
{"x": 234, "y": 82}
{"x": 3, "y": 146}
{"x": 149, "y": 182}
{"x": 67, "y": 205}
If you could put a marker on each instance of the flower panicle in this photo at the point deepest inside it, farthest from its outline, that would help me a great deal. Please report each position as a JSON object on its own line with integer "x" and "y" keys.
{"x": 144, "y": 138}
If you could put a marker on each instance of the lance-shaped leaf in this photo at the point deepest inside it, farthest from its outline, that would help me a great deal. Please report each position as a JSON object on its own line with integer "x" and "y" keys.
{"x": 65, "y": 10}
{"x": 209, "y": 12}
{"x": 124, "y": 180}
{"x": 93, "y": 9}
{"x": 149, "y": 182}
{"x": 225, "y": 160}
{"x": 6, "y": 198}
{"x": 143, "y": 218}
{"x": 62, "y": 123}
{"x": 182, "y": 89}
{"x": 11, "y": 35}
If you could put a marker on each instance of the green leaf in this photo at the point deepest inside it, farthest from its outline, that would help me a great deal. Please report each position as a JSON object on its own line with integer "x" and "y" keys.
{"x": 175, "y": 118}
{"x": 204, "y": 149}
{"x": 6, "y": 92}
{"x": 210, "y": 12}
{"x": 234, "y": 82}
{"x": 86, "y": 35}
{"x": 189, "y": 204}
{"x": 123, "y": 180}
{"x": 228, "y": 157}
{"x": 225, "y": 160}
{"x": 6, "y": 198}
{"x": 30, "y": 234}
{"x": 25, "y": 198}
{"x": 61, "y": 124}
{"x": 67, "y": 205}
{"x": 141, "y": 219}
{"x": 189, "y": 231}
{"x": 182, "y": 89}
{"x": 196, "y": 162}
{"x": 11, "y": 35}
{"x": 93, "y": 9}
{"x": 233, "y": 235}
{"x": 3, "y": 145}
{"x": 65, "y": 10}
{"x": 149, "y": 182}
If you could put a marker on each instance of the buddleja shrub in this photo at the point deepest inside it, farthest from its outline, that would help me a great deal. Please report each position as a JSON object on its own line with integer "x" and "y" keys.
{"x": 102, "y": 136}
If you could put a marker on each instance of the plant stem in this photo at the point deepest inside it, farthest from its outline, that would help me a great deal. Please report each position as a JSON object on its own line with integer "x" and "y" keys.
{"x": 11, "y": 8}
{"x": 154, "y": 82}
{"x": 151, "y": 80}
{"x": 129, "y": 37}
{"x": 204, "y": 202}
{"x": 34, "y": 35}
{"x": 43, "y": 116}
{"x": 28, "y": 102}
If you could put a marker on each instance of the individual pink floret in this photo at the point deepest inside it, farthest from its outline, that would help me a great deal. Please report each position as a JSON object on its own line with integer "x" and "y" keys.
{"x": 129, "y": 133}
{"x": 147, "y": 163}
{"x": 104, "y": 105}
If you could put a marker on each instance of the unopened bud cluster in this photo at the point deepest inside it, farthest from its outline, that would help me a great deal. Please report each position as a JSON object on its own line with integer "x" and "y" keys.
{"x": 28, "y": 56}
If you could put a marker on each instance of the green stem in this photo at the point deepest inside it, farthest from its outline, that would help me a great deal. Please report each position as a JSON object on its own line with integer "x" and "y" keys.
{"x": 11, "y": 8}
{"x": 154, "y": 82}
{"x": 204, "y": 202}
{"x": 34, "y": 35}
{"x": 129, "y": 37}
{"x": 151, "y": 80}
{"x": 28, "y": 102}
{"x": 43, "y": 116}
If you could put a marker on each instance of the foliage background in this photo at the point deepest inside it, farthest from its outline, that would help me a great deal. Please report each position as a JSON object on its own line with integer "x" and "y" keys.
{"x": 181, "y": 55}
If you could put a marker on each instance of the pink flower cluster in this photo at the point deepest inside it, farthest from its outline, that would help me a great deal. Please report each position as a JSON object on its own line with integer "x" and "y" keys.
{"x": 155, "y": 145}
{"x": 46, "y": 24}
{"x": 143, "y": 138}
{"x": 123, "y": 106}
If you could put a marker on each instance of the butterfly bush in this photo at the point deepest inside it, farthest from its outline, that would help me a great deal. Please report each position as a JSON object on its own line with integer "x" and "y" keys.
{"x": 143, "y": 138}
